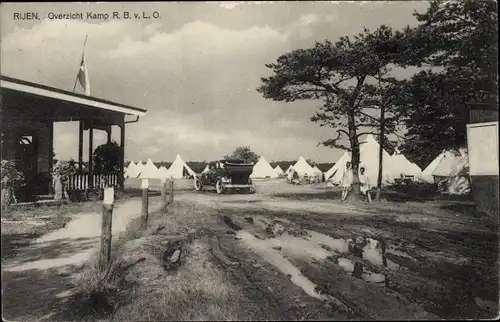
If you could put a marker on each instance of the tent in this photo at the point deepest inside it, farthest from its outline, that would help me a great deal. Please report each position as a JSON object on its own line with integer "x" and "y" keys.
{"x": 289, "y": 170}
{"x": 163, "y": 172}
{"x": 341, "y": 162}
{"x": 132, "y": 170}
{"x": 403, "y": 166}
{"x": 279, "y": 171}
{"x": 179, "y": 169}
{"x": 452, "y": 173}
{"x": 426, "y": 175}
{"x": 139, "y": 167}
{"x": 149, "y": 171}
{"x": 458, "y": 182}
{"x": 206, "y": 169}
{"x": 369, "y": 159}
{"x": 317, "y": 170}
{"x": 262, "y": 169}
{"x": 303, "y": 168}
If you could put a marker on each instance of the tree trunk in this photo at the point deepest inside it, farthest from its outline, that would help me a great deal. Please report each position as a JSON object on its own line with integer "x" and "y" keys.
{"x": 381, "y": 143}
{"x": 355, "y": 186}
{"x": 380, "y": 152}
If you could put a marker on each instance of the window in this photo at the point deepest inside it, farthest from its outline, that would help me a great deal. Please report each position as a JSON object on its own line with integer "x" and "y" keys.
{"x": 26, "y": 139}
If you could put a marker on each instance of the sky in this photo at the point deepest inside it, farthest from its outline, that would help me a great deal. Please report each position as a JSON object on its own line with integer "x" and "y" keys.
{"x": 195, "y": 69}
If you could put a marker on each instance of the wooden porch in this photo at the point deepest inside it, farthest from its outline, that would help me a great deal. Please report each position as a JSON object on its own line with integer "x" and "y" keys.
{"x": 29, "y": 112}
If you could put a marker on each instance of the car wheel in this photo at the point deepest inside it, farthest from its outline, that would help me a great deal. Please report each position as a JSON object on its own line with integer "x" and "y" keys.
{"x": 219, "y": 187}
{"x": 197, "y": 184}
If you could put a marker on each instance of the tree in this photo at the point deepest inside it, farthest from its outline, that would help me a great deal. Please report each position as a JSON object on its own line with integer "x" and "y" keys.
{"x": 337, "y": 74}
{"x": 244, "y": 153}
{"x": 459, "y": 39}
{"x": 106, "y": 158}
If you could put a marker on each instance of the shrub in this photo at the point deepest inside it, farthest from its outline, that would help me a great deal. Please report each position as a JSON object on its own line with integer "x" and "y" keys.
{"x": 12, "y": 180}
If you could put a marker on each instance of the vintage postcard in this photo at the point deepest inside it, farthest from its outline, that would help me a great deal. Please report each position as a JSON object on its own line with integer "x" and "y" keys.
{"x": 262, "y": 160}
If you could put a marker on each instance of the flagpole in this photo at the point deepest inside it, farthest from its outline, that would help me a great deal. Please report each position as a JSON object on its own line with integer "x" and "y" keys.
{"x": 83, "y": 53}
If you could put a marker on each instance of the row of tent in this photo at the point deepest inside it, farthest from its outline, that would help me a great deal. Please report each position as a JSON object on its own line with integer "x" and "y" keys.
{"x": 448, "y": 168}
{"x": 263, "y": 169}
{"x": 178, "y": 170}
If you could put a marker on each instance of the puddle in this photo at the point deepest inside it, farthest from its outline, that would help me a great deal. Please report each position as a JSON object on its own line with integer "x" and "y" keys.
{"x": 339, "y": 245}
{"x": 348, "y": 266}
{"x": 372, "y": 252}
{"x": 264, "y": 249}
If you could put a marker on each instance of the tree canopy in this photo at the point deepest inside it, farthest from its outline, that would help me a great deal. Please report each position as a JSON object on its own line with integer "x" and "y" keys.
{"x": 106, "y": 158}
{"x": 244, "y": 153}
{"x": 459, "y": 39}
{"x": 338, "y": 74}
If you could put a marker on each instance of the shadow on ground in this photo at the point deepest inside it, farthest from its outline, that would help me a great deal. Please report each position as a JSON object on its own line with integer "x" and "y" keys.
{"x": 20, "y": 303}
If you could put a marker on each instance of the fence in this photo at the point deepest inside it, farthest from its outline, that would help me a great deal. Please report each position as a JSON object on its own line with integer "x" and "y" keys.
{"x": 81, "y": 181}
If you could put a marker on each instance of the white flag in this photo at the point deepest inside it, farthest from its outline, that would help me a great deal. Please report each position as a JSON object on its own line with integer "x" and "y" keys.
{"x": 83, "y": 77}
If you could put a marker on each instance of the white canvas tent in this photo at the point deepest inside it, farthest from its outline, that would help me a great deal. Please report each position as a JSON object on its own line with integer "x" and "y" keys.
{"x": 150, "y": 171}
{"x": 369, "y": 159}
{"x": 279, "y": 171}
{"x": 139, "y": 167}
{"x": 132, "y": 170}
{"x": 262, "y": 169}
{"x": 340, "y": 163}
{"x": 179, "y": 169}
{"x": 303, "y": 168}
{"x": 452, "y": 172}
{"x": 206, "y": 169}
{"x": 426, "y": 175}
{"x": 164, "y": 173}
{"x": 289, "y": 170}
{"x": 403, "y": 166}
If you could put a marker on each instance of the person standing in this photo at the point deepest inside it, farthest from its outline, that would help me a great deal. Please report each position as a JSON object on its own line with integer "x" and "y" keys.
{"x": 346, "y": 181}
{"x": 364, "y": 184}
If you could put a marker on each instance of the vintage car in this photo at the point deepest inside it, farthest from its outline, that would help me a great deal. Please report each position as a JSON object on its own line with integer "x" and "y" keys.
{"x": 226, "y": 175}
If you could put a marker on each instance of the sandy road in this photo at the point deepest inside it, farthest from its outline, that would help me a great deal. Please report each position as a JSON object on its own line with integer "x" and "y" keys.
{"x": 40, "y": 277}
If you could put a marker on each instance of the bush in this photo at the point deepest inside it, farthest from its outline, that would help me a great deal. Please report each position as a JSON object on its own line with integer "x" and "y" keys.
{"x": 12, "y": 180}
{"x": 62, "y": 171}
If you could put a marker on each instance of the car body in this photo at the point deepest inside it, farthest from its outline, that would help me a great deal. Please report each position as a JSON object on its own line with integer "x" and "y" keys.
{"x": 226, "y": 175}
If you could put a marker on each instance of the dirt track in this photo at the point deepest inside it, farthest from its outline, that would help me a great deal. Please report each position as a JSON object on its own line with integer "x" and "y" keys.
{"x": 440, "y": 260}
{"x": 444, "y": 258}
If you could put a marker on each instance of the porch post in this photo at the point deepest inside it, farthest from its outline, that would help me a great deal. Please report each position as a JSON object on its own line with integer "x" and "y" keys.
{"x": 51, "y": 156}
{"x": 121, "y": 175}
{"x": 109, "y": 134}
{"x": 91, "y": 141}
{"x": 80, "y": 145}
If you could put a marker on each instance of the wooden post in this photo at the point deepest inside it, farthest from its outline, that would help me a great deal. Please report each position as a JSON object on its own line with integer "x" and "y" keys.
{"x": 164, "y": 192}
{"x": 107, "y": 222}
{"x": 145, "y": 202}
{"x": 171, "y": 191}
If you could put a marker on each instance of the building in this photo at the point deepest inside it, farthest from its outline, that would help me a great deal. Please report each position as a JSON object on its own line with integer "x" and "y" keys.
{"x": 482, "y": 141}
{"x": 29, "y": 112}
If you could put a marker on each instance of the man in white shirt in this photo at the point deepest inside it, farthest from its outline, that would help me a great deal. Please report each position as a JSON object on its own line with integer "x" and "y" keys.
{"x": 364, "y": 187}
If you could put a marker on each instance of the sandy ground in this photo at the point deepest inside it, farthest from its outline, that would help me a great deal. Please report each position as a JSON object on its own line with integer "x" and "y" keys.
{"x": 42, "y": 273}
{"x": 440, "y": 260}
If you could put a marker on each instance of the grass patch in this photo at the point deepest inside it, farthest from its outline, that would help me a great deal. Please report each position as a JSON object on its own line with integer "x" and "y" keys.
{"x": 137, "y": 287}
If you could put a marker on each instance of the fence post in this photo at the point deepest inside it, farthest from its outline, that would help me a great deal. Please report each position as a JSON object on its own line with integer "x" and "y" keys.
{"x": 164, "y": 192}
{"x": 107, "y": 222}
{"x": 171, "y": 191}
{"x": 145, "y": 202}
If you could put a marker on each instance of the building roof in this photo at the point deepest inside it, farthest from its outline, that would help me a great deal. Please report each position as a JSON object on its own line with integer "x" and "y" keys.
{"x": 62, "y": 95}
